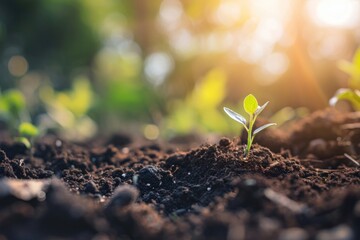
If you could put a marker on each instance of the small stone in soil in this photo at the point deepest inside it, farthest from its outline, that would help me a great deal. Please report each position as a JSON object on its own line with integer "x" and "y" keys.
{"x": 224, "y": 142}
{"x": 41, "y": 196}
{"x": 123, "y": 196}
{"x": 150, "y": 175}
{"x": 341, "y": 232}
{"x": 293, "y": 234}
{"x": 125, "y": 150}
{"x": 250, "y": 182}
{"x": 90, "y": 187}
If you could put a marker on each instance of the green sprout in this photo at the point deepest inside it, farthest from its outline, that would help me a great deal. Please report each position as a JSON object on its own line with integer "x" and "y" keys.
{"x": 12, "y": 107}
{"x": 352, "y": 93}
{"x": 252, "y": 108}
{"x": 27, "y": 132}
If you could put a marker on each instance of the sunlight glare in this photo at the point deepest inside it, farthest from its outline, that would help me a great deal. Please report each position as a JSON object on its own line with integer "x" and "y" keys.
{"x": 335, "y": 13}
{"x": 271, "y": 8}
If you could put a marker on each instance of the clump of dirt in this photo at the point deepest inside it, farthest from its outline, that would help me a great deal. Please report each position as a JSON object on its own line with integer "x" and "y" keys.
{"x": 120, "y": 190}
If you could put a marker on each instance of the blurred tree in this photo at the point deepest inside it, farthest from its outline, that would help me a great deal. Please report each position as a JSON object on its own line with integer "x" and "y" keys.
{"x": 51, "y": 36}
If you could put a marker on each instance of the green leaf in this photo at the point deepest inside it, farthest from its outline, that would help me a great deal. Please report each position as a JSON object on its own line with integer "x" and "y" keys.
{"x": 237, "y": 117}
{"x": 210, "y": 92}
{"x": 15, "y": 101}
{"x": 353, "y": 69}
{"x": 356, "y": 59}
{"x": 28, "y": 130}
{"x": 250, "y": 104}
{"x": 24, "y": 141}
{"x": 346, "y": 94}
{"x": 346, "y": 67}
{"x": 259, "y": 129}
{"x": 261, "y": 108}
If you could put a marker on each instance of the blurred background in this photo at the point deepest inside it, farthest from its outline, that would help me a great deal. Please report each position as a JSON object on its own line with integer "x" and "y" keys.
{"x": 166, "y": 67}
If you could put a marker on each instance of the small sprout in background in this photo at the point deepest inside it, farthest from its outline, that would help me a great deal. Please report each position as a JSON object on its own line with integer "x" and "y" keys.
{"x": 12, "y": 107}
{"x": 252, "y": 108}
{"x": 351, "y": 94}
{"x": 68, "y": 111}
{"x": 352, "y": 69}
{"x": 27, "y": 132}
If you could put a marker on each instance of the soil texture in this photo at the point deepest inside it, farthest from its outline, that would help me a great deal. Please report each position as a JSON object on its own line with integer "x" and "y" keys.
{"x": 296, "y": 183}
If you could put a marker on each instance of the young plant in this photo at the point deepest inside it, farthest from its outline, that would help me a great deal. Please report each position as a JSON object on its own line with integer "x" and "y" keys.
{"x": 352, "y": 93}
{"x": 27, "y": 132}
{"x": 13, "y": 108}
{"x": 252, "y": 108}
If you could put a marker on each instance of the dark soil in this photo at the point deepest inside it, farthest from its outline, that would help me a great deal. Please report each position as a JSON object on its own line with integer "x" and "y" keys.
{"x": 296, "y": 183}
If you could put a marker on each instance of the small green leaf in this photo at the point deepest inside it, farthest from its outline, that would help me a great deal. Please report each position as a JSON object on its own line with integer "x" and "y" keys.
{"x": 24, "y": 141}
{"x": 15, "y": 101}
{"x": 346, "y": 67}
{"x": 237, "y": 117}
{"x": 261, "y": 108}
{"x": 350, "y": 95}
{"x": 250, "y": 104}
{"x": 28, "y": 130}
{"x": 263, "y": 127}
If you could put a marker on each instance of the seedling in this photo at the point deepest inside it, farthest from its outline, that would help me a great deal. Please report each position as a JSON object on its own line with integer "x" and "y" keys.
{"x": 351, "y": 94}
{"x": 252, "y": 108}
{"x": 27, "y": 132}
{"x": 12, "y": 107}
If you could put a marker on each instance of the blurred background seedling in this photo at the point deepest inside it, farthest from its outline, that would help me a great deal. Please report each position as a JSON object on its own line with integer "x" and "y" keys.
{"x": 26, "y": 134}
{"x": 67, "y": 111}
{"x": 352, "y": 93}
{"x": 13, "y": 108}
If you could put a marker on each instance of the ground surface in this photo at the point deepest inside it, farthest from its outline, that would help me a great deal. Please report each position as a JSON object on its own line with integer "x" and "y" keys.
{"x": 296, "y": 184}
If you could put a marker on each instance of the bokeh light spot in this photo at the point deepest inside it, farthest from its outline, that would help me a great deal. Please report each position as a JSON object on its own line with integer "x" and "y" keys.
{"x": 157, "y": 66}
{"x": 151, "y": 132}
{"x": 18, "y": 66}
{"x": 170, "y": 11}
{"x": 276, "y": 63}
{"x": 228, "y": 13}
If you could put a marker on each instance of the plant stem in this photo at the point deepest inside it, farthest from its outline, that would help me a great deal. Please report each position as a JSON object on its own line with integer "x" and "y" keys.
{"x": 249, "y": 138}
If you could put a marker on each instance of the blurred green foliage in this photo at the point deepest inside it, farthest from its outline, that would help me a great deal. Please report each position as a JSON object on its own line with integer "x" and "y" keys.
{"x": 12, "y": 108}
{"x": 201, "y": 109}
{"x": 12, "y": 102}
{"x": 68, "y": 110}
{"x": 352, "y": 69}
{"x": 85, "y": 65}
{"x": 27, "y": 132}
{"x": 52, "y": 35}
